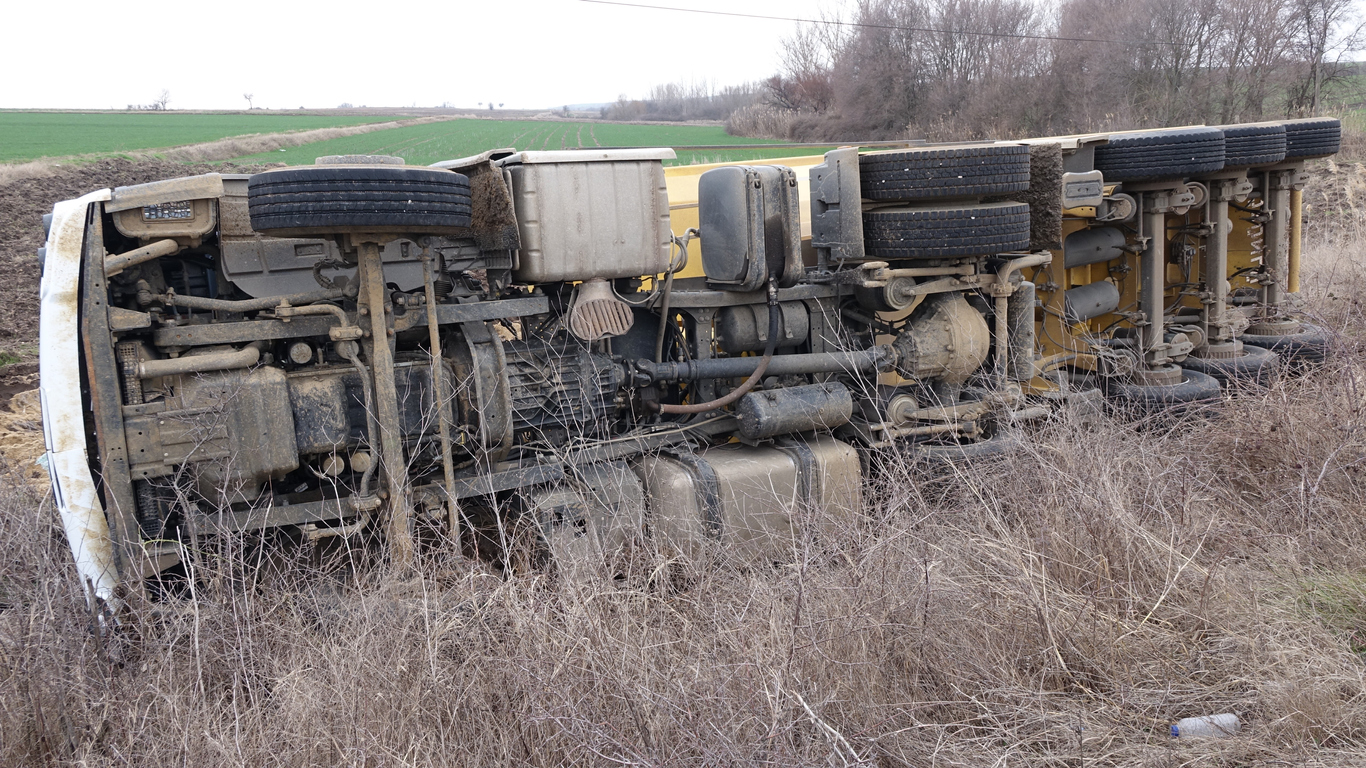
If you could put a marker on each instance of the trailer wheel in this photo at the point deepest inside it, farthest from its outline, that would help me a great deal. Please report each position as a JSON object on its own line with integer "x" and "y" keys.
{"x": 945, "y": 172}
{"x": 933, "y": 232}
{"x": 1312, "y": 137}
{"x": 1161, "y": 154}
{"x": 1194, "y": 389}
{"x": 1253, "y": 144}
{"x": 377, "y": 198}
{"x": 1308, "y": 347}
{"x": 1255, "y": 366}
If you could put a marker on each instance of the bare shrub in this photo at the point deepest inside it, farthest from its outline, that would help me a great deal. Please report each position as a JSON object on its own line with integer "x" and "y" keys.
{"x": 1353, "y": 134}
{"x": 761, "y": 121}
{"x": 1067, "y": 602}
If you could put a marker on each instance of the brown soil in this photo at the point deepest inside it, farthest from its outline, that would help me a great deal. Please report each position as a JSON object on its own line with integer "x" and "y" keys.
{"x": 22, "y": 205}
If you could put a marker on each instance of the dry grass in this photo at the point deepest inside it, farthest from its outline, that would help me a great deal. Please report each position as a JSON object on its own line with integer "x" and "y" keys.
{"x": 1058, "y": 608}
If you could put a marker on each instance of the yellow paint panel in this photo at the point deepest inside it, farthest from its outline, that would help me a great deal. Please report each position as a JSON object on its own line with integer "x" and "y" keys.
{"x": 1244, "y": 243}
{"x": 682, "y": 184}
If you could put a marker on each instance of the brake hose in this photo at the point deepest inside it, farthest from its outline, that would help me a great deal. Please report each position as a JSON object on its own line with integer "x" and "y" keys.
{"x": 682, "y": 244}
{"x": 740, "y": 391}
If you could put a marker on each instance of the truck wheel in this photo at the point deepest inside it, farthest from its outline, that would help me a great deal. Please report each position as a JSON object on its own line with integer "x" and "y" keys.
{"x": 1161, "y": 154}
{"x": 943, "y": 172}
{"x": 925, "y": 232}
{"x": 1195, "y": 388}
{"x": 1308, "y": 347}
{"x": 1255, "y": 366}
{"x": 1312, "y": 137}
{"x": 376, "y": 198}
{"x": 1254, "y": 144}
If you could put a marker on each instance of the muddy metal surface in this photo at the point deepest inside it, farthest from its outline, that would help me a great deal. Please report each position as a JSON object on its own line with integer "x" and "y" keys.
{"x": 1338, "y": 190}
{"x": 22, "y": 205}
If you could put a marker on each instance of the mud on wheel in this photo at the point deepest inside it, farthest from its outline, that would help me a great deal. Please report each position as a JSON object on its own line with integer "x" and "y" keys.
{"x": 1254, "y": 366}
{"x": 998, "y": 444}
{"x": 1306, "y": 347}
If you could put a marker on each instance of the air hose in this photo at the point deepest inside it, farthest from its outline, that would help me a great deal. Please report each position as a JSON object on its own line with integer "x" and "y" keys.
{"x": 735, "y": 394}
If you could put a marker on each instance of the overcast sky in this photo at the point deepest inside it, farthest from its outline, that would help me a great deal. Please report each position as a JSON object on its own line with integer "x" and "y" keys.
{"x": 524, "y": 53}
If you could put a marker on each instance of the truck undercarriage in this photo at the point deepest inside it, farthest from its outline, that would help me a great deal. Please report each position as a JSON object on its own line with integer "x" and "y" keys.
{"x": 529, "y": 342}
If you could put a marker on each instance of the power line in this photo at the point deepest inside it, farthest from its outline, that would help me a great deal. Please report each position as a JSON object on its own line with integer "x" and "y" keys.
{"x": 887, "y": 26}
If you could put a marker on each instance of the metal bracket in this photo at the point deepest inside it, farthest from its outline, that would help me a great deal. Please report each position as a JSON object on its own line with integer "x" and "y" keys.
{"x": 836, "y": 208}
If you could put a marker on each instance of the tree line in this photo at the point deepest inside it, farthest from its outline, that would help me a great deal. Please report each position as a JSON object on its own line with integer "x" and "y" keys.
{"x": 688, "y": 100}
{"x": 961, "y": 69}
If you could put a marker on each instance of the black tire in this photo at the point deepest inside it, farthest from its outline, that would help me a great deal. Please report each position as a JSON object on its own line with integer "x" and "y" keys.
{"x": 1256, "y": 365}
{"x": 1308, "y": 347}
{"x": 1168, "y": 154}
{"x": 379, "y": 198}
{"x": 998, "y": 444}
{"x": 924, "y": 232}
{"x": 945, "y": 172}
{"x": 1195, "y": 389}
{"x": 1312, "y": 137}
{"x": 1253, "y": 144}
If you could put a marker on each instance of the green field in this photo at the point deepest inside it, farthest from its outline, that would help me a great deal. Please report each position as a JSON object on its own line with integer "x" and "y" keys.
{"x": 432, "y": 142}
{"x": 31, "y": 135}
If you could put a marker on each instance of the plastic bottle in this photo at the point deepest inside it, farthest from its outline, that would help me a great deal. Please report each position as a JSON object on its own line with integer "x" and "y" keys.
{"x": 1206, "y": 727}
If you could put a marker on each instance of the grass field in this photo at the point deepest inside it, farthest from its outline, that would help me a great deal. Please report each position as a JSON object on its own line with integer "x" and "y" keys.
{"x": 31, "y": 135}
{"x": 425, "y": 144}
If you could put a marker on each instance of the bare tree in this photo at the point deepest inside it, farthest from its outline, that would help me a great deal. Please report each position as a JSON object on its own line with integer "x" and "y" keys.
{"x": 805, "y": 81}
{"x": 162, "y": 100}
{"x": 1254, "y": 47}
{"x": 1000, "y": 68}
{"x": 1326, "y": 33}
{"x": 249, "y": 97}
{"x": 686, "y": 100}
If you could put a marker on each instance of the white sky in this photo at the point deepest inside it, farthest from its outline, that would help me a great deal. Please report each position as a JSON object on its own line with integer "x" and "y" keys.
{"x": 524, "y": 53}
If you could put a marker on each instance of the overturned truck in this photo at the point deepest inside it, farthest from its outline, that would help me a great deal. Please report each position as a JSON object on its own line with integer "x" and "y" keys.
{"x": 577, "y": 350}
